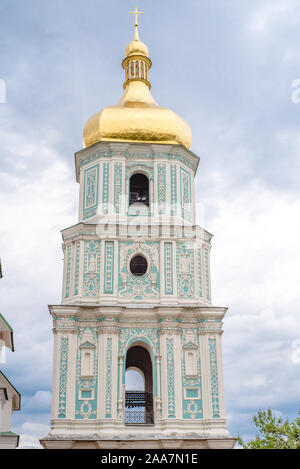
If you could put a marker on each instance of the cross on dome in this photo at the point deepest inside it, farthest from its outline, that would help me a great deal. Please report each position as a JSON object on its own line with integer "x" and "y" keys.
{"x": 136, "y": 13}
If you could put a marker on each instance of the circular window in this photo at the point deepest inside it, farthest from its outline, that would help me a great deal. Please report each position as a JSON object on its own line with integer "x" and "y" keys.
{"x": 138, "y": 265}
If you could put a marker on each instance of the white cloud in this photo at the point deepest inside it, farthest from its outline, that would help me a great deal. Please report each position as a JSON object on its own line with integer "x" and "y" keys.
{"x": 31, "y": 434}
{"x": 269, "y": 14}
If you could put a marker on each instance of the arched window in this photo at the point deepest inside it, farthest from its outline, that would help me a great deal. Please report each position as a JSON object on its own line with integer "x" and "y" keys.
{"x": 139, "y": 189}
{"x": 139, "y": 387}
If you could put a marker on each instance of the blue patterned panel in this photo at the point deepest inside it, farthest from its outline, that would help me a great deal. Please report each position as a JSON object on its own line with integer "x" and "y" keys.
{"x": 90, "y": 193}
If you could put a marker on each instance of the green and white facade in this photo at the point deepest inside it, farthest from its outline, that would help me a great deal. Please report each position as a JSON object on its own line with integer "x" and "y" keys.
{"x": 106, "y": 310}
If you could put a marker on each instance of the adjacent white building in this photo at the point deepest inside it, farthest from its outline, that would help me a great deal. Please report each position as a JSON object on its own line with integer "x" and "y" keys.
{"x": 10, "y": 398}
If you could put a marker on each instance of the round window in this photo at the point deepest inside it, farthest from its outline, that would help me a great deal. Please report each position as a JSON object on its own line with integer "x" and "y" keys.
{"x": 138, "y": 265}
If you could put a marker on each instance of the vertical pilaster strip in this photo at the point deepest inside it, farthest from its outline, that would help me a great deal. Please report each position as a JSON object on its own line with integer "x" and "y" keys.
{"x": 158, "y": 397}
{"x": 171, "y": 378}
{"x": 121, "y": 403}
{"x": 68, "y": 270}
{"x": 173, "y": 177}
{"x": 161, "y": 188}
{"x": 118, "y": 170}
{"x": 63, "y": 373}
{"x": 109, "y": 267}
{"x": 205, "y": 374}
{"x": 186, "y": 199}
{"x": 77, "y": 265}
{"x": 105, "y": 182}
{"x": 212, "y": 345}
{"x": 207, "y": 274}
{"x": 200, "y": 276}
{"x": 55, "y": 375}
{"x": 168, "y": 268}
{"x": 108, "y": 387}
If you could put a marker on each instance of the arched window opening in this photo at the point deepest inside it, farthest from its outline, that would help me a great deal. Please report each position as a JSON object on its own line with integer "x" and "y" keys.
{"x": 138, "y": 387}
{"x": 139, "y": 189}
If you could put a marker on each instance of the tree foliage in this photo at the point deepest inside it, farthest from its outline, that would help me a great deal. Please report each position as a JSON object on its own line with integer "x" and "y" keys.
{"x": 274, "y": 433}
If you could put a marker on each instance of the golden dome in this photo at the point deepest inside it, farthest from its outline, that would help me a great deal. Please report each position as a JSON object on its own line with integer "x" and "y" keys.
{"x": 137, "y": 117}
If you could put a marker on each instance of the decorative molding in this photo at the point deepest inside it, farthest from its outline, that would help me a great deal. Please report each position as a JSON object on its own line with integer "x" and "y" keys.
{"x": 128, "y": 334}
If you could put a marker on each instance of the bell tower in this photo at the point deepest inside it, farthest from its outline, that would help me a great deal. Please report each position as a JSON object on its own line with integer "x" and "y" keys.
{"x": 136, "y": 291}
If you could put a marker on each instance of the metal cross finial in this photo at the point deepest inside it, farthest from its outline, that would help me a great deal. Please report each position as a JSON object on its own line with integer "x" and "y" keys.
{"x": 136, "y": 13}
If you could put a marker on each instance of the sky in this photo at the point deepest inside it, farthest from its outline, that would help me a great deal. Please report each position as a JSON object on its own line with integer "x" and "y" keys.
{"x": 230, "y": 68}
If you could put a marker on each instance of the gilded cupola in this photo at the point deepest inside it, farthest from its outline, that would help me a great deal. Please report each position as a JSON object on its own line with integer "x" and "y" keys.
{"x": 137, "y": 117}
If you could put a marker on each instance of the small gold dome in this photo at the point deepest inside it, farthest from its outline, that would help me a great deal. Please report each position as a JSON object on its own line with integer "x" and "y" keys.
{"x": 137, "y": 117}
{"x": 136, "y": 47}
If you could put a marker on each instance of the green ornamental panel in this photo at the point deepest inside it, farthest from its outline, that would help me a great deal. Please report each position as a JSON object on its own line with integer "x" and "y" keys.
{"x": 185, "y": 270}
{"x": 90, "y": 192}
{"x": 145, "y": 286}
{"x": 191, "y": 376}
{"x": 91, "y": 269}
{"x": 86, "y": 375}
